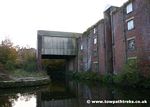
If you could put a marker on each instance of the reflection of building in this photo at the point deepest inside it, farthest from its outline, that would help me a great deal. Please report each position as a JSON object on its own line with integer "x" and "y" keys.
{"x": 123, "y": 34}
{"x": 57, "y": 96}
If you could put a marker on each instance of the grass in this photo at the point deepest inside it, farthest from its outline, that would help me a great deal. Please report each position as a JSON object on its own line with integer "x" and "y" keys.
{"x": 19, "y": 73}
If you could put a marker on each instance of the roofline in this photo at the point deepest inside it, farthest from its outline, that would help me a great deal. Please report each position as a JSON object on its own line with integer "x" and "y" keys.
{"x": 58, "y": 34}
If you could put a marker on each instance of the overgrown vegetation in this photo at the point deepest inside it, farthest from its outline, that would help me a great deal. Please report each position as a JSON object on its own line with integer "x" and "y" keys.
{"x": 19, "y": 73}
{"x": 129, "y": 76}
{"x": 8, "y": 55}
{"x": 134, "y": 74}
{"x": 92, "y": 76}
{"x": 14, "y": 57}
{"x": 15, "y": 60}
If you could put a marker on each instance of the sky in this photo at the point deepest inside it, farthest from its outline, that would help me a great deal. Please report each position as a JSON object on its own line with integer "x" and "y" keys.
{"x": 20, "y": 19}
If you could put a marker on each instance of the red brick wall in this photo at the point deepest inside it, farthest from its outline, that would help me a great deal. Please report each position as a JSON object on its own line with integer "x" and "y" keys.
{"x": 101, "y": 47}
{"x": 119, "y": 48}
{"x": 141, "y": 31}
{"x": 112, "y": 38}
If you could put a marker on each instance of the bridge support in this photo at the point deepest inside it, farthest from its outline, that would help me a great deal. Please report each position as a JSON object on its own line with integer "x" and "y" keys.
{"x": 71, "y": 64}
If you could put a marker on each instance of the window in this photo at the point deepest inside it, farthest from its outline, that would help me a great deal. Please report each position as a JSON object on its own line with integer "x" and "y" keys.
{"x": 95, "y": 40}
{"x": 130, "y": 24}
{"x": 129, "y": 8}
{"x": 94, "y": 30}
{"x": 81, "y": 47}
{"x": 131, "y": 44}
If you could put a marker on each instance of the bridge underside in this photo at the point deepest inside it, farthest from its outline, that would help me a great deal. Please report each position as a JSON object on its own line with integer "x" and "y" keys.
{"x": 57, "y": 56}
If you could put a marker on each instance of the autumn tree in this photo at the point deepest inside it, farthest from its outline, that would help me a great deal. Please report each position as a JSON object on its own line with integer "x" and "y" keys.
{"x": 8, "y": 54}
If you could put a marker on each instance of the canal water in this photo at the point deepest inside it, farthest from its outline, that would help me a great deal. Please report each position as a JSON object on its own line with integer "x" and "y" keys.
{"x": 72, "y": 94}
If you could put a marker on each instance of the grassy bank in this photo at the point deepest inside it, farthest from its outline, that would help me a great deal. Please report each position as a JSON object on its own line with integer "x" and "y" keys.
{"x": 20, "y": 73}
{"x": 22, "y": 78}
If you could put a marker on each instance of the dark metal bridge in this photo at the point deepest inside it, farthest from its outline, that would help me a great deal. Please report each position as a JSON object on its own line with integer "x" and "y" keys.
{"x": 57, "y": 45}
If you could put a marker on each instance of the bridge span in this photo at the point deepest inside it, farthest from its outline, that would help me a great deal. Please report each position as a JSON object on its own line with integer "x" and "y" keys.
{"x": 58, "y": 45}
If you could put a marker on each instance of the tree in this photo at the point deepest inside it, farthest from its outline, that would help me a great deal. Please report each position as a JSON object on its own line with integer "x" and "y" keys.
{"x": 27, "y": 59}
{"x": 8, "y": 54}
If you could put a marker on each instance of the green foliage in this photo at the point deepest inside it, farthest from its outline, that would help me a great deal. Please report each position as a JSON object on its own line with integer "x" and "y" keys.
{"x": 14, "y": 57}
{"x": 129, "y": 76}
{"x": 19, "y": 73}
{"x": 10, "y": 65}
{"x": 26, "y": 59}
{"x": 30, "y": 64}
{"x": 107, "y": 78}
{"x": 8, "y": 54}
{"x": 92, "y": 76}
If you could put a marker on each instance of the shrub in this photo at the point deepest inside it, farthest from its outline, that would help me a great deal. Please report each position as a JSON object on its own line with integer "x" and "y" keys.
{"x": 10, "y": 65}
{"x": 30, "y": 66}
{"x": 107, "y": 78}
{"x": 92, "y": 76}
{"x": 129, "y": 76}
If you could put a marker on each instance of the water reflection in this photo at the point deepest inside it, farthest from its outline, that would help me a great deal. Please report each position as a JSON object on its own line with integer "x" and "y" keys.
{"x": 24, "y": 100}
{"x": 18, "y": 100}
{"x": 71, "y": 94}
{"x": 19, "y": 97}
{"x": 76, "y": 94}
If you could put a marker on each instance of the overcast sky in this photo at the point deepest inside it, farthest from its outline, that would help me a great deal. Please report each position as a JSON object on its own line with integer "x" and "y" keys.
{"x": 20, "y": 19}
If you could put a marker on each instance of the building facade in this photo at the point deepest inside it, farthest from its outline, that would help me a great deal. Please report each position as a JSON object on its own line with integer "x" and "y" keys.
{"x": 123, "y": 34}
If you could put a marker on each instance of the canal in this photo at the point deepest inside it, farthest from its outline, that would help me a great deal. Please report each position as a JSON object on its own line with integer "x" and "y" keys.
{"x": 71, "y": 94}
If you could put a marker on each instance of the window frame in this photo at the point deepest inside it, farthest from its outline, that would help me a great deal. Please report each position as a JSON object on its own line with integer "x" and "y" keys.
{"x": 94, "y": 30}
{"x": 129, "y": 26}
{"x": 129, "y": 8}
{"x": 131, "y": 39}
{"x": 95, "y": 41}
{"x": 81, "y": 47}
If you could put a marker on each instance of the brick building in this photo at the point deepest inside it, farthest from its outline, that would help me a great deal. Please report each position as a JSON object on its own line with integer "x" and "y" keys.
{"x": 123, "y": 34}
{"x": 130, "y": 32}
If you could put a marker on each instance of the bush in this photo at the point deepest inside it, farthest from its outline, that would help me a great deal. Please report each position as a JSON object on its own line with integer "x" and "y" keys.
{"x": 30, "y": 66}
{"x": 107, "y": 78}
{"x": 20, "y": 73}
{"x": 92, "y": 76}
{"x": 134, "y": 74}
{"x": 10, "y": 65}
{"x": 129, "y": 76}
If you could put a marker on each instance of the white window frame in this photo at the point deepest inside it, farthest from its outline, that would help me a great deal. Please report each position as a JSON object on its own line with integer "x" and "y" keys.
{"x": 95, "y": 40}
{"x": 81, "y": 47}
{"x": 130, "y": 24}
{"x": 129, "y": 8}
{"x": 94, "y": 31}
